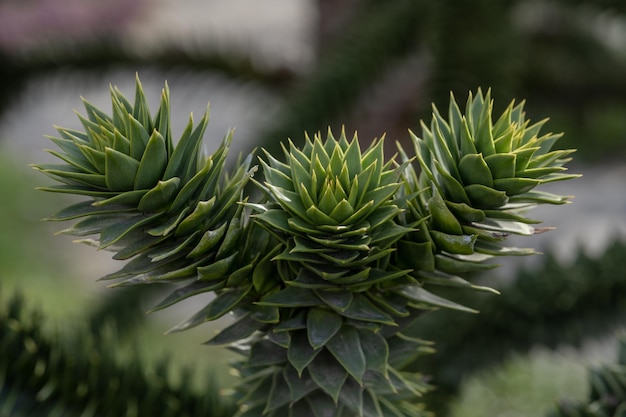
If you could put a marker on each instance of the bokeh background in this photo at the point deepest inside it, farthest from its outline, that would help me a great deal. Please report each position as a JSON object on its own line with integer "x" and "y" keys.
{"x": 274, "y": 69}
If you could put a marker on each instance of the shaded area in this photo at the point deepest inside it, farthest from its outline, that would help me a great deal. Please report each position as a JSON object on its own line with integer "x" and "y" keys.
{"x": 47, "y": 375}
{"x": 553, "y": 306}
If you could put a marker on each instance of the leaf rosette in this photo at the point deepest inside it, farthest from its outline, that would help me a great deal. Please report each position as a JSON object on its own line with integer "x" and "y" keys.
{"x": 477, "y": 181}
{"x": 167, "y": 208}
{"x": 334, "y": 350}
{"x": 332, "y": 207}
{"x": 340, "y": 252}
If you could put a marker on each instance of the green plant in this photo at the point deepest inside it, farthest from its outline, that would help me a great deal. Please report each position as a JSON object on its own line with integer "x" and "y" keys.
{"x": 81, "y": 374}
{"x": 340, "y": 252}
{"x": 607, "y": 394}
{"x": 551, "y": 306}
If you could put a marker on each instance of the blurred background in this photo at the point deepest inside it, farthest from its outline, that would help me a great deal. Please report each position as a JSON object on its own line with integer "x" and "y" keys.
{"x": 275, "y": 69}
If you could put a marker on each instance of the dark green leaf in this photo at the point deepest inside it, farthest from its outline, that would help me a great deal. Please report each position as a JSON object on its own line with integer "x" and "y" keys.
{"x": 266, "y": 314}
{"x": 199, "y": 214}
{"x": 186, "y": 151}
{"x": 328, "y": 375}
{"x": 241, "y": 329}
{"x": 299, "y": 387}
{"x": 345, "y": 346}
{"x": 456, "y": 244}
{"x": 86, "y": 208}
{"x": 196, "y": 287}
{"x": 474, "y": 170}
{"x": 68, "y": 175}
{"x": 456, "y": 266}
{"x": 352, "y": 397}
{"x": 442, "y": 217}
{"x": 321, "y": 405}
{"x": 136, "y": 242}
{"x": 93, "y": 224}
{"x": 231, "y": 238}
{"x": 420, "y": 295}
{"x": 297, "y": 322}
{"x": 220, "y": 305}
{"x": 264, "y": 276}
{"x": 322, "y": 324}
{"x": 291, "y": 297}
{"x": 138, "y": 136}
{"x": 466, "y": 213}
{"x": 362, "y": 309}
{"x": 116, "y": 231}
{"x": 338, "y": 300}
{"x": 218, "y": 269}
{"x": 515, "y": 186}
{"x": 416, "y": 255}
{"x": 277, "y": 219}
{"x": 168, "y": 225}
{"x": 318, "y": 217}
{"x": 208, "y": 240}
{"x": 484, "y": 197}
{"x": 501, "y": 165}
{"x": 375, "y": 350}
{"x": 300, "y": 352}
{"x": 160, "y": 196}
{"x": 152, "y": 164}
{"x": 131, "y": 198}
{"x": 279, "y": 393}
{"x": 189, "y": 189}
{"x": 342, "y": 211}
{"x": 168, "y": 251}
{"x": 121, "y": 170}
{"x": 265, "y": 353}
{"x": 451, "y": 186}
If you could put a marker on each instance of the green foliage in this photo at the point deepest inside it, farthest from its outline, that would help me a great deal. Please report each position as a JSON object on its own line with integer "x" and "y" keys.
{"x": 551, "y": 305}
{"x": 607, "y": 394}
{"x": 331, "y": 269}
{"x": 50, "y": 375}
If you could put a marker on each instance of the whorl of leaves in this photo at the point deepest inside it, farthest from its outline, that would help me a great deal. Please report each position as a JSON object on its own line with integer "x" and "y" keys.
{"x": 334, "y": 261}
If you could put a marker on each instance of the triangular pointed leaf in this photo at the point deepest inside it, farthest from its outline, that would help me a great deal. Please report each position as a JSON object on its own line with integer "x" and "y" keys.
{"x": 328, "y": 375}
{"x": 345, "y": 346}
{"x": 322, "y": 325}
{"x": 152, "y": 164}
{"x": 300, "y": 352}
{"x": 219, "y": 306}
{"x": 241, "y": 329}
{"x": 121, "y": 170}
{"x": 160, "y": 196}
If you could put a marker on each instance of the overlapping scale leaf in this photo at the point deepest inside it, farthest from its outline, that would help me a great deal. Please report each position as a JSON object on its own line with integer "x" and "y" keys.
{"x": 332, "y": 207}
{"x": 358, "y": 373}
{"x": 339, "y": 255}
{"x": 172, "y": 212}
{"x": 476, "y": 183}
